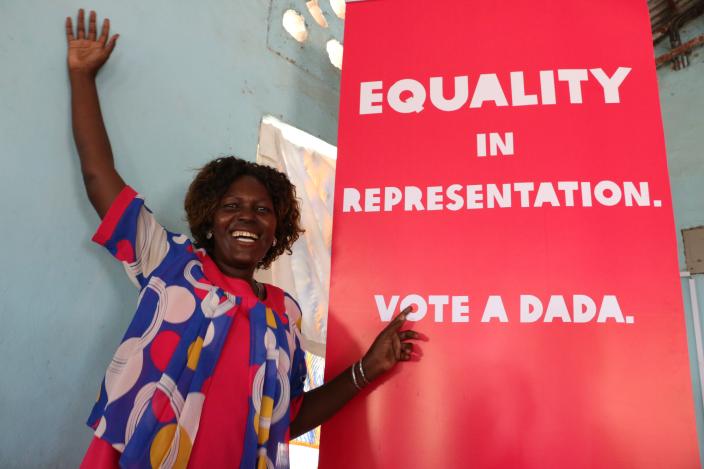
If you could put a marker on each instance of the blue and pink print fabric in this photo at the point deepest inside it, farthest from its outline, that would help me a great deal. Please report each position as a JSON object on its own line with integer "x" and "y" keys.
{"x": 151, "y": 398}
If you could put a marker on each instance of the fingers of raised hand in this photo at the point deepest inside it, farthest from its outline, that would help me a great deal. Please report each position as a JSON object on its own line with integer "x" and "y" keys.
{"x": 111, "y": 43}
{"x": 91, "y": 26}
{"x": 69, "y": 29}
{"x": 80, "y": 26}
{"x": 105, "y": 32}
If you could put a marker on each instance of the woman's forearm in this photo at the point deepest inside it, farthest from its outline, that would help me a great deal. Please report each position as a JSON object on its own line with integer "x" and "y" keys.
{"x": 322, "y": 403}
{"x": 87, "y": 53}
{"x": 102, "y": 181}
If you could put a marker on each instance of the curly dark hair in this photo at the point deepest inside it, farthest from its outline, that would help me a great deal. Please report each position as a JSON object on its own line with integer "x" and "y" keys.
{"x": 212, "y": 182}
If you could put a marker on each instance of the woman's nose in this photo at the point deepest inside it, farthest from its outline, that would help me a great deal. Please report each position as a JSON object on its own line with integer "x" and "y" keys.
{"x": 246, "y": 213}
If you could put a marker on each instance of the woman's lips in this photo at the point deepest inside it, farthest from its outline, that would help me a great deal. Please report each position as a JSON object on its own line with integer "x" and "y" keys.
{"x": 244, "y": 237}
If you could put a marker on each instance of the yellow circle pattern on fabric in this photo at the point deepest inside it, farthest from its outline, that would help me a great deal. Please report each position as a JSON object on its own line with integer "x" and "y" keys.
{"x": 162, "y": 443}
{"x": 270, "y": 321}
{"x": 194, "y": 353}
{"x": 265, "y": 419}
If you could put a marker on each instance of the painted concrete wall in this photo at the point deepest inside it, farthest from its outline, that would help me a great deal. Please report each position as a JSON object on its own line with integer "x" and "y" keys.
{"x": 188, "y": 81}
{"x": 682, "y": 102}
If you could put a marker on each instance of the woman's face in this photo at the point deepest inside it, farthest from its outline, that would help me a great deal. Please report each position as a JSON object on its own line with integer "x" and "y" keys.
{"x": 244, "y": 225}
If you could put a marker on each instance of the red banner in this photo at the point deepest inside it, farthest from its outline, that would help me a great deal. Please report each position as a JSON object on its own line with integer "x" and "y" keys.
{"x": 502, "y": 166}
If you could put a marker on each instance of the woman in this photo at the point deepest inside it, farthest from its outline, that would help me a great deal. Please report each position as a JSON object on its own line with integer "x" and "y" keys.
{"x": 210, "y": 352}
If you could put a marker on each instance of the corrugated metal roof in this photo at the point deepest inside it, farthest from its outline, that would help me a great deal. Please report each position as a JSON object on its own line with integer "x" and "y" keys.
{"x": 665, "y": 14}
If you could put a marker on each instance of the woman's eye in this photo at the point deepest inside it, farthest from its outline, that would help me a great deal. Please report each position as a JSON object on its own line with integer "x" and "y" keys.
{"x": 263, "y": 209}
{"x": 232, "y": 205}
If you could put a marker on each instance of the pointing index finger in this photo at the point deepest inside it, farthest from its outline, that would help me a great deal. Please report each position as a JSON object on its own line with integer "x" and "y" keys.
{"x": 398, "y": 321}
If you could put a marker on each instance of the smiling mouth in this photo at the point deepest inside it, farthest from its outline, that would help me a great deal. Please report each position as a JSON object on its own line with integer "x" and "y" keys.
{"x": 245, "y": 236}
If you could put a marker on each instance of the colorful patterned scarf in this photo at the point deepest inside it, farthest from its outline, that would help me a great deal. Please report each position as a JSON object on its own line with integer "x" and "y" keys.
{"x": 151, "y": 399}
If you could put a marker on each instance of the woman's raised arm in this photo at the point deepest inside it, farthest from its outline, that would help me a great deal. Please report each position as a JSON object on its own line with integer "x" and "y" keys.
{"x": 86, "y": 55}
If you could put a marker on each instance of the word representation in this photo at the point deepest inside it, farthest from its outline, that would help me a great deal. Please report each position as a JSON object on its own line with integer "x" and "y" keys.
{"x": 480, "y": 196}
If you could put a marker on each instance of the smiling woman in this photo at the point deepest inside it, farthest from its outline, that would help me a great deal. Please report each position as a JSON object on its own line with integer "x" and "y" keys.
{"x": 229, "y": 187}
{"x": 210, "y": 371}
{"x": 243, "y": 226}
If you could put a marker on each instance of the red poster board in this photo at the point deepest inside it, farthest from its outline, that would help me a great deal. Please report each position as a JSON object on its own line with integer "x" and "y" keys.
{"x": 546, "y": 274}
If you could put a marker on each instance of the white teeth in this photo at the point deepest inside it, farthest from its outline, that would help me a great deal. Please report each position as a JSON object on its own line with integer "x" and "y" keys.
{"x": 246, "y": 236}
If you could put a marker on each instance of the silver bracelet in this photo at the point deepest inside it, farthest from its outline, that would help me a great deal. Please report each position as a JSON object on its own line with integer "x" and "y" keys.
{"x": 365, "y": 381}
{"x": 354, "y": 379}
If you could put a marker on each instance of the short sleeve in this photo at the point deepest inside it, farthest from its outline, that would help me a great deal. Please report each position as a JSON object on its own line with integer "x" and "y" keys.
{"x": 132, "y": 235}
{"x": 299, "y": 370}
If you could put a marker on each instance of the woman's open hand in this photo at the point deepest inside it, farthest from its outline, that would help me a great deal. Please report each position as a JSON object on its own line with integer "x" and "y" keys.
{"x": 87, "y": 53}
{"x": 390, "y": 346}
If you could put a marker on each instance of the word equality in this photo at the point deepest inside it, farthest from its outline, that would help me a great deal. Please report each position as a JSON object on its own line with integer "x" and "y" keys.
{"x": 408, "y": 95}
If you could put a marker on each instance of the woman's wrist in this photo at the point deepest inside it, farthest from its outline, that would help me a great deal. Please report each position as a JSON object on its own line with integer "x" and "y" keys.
{"x": 81, "y": 75}
{"x": 359, "y": 375}
{"x": 366, "y": 367}
{"x": 355, "y": 379}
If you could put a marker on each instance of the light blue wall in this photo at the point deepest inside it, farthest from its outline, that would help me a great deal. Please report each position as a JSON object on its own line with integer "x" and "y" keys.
{"x": 188, "y": 81}
{"x": 682, "y": 102}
